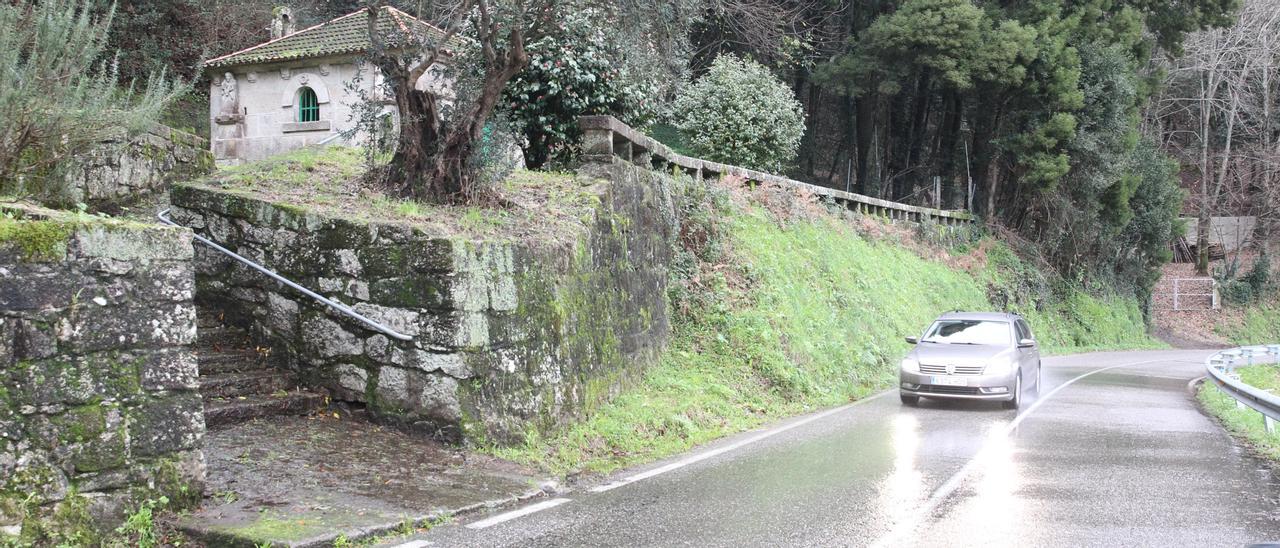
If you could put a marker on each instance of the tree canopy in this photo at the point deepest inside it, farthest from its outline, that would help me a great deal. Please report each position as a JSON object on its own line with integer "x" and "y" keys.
{"x": 1053, "y": 118}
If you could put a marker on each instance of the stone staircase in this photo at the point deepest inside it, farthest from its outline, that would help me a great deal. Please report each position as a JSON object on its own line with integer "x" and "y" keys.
{"x": 239, "y": 383}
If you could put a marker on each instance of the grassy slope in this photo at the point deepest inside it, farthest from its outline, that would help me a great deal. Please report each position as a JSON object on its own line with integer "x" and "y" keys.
{"x": 1259, "y": 324}
{"x": 818, "y": 319}
{"x": 1245, "y": 423}
{"x": 1066, "y": 319}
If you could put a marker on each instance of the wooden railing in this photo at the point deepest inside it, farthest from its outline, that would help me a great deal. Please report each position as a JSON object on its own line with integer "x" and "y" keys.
{"x": 606, "y": 139}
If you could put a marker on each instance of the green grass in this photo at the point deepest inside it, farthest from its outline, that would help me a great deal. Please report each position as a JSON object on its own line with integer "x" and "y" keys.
{"x": 1260, "y": 324}
{"x": 812, "y": 315}
{"x": 1064, "y": 318}
{"x": 1246, "y": 423}
{"x": 544, "y": 207}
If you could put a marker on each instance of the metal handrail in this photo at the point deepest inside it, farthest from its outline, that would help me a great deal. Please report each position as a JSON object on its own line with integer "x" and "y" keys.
{"x": 164, "y": 217}
{"x": 1221, "y": 367}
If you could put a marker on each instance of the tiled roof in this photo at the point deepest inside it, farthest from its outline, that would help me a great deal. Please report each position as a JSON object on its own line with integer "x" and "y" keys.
{"x": 346, "y": 34}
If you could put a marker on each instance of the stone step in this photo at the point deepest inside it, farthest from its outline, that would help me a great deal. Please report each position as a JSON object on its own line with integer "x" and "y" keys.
{"x": 229, "y": 361}
{"x": 222, "y": 337}
{"x": 208, "y": 318}
{"x": 244, "y": 383}
{"x": 224, "y": 411}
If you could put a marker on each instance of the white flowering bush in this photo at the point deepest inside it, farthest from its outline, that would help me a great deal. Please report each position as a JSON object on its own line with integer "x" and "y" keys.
{"x": 739, "y": 113}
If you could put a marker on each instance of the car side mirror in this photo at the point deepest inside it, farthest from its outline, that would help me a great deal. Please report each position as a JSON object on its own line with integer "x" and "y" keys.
{"x": 1027, "y": 343}
{"x": 913, "y": 340}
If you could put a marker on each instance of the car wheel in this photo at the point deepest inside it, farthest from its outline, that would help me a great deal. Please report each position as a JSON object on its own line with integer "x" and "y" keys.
{"x": 909, "y": 400}
{"x": 1016, "y": 401}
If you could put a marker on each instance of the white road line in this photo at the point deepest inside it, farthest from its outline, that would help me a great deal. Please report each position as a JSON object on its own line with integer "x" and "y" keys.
{"x": 722, "y": 450}
{"x": 919, "y": 516}
{"x": 413, "y": 544}
{"x": 490, "y": 522}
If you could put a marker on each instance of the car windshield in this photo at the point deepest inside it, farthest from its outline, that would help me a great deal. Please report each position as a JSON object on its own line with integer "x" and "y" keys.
{"x": 968, "y": 332}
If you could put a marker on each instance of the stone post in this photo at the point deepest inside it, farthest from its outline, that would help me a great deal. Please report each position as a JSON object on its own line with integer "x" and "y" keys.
{"x": 597, "y": 139}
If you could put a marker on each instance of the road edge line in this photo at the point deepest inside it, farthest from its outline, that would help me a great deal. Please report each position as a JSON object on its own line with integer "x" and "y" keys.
{"x": 520, "y": 512}
{"x": 699, "y": 457}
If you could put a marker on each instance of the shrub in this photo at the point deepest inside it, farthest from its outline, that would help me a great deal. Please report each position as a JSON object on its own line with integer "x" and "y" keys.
{"x": 739, "y": 113}
{"x": 1248, "y": 288}
{"x": 572, "y": 73}
{"x": 59, "y": 97}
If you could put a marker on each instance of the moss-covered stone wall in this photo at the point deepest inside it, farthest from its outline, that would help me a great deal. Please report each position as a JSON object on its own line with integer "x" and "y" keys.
{"x": 122, "y": 169}
{"x": 509, "y": 336}
{"x": 99, "y": 408}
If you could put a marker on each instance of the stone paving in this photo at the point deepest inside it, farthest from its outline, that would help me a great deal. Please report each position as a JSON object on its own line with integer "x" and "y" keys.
{"x": 306, "y": 481}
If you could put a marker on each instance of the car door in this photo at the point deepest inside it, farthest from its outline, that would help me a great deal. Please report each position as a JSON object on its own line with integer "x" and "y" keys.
{"x": 1028, "y": 358}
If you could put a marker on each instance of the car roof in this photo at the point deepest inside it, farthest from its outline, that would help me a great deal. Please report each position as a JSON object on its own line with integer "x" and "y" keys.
{"x": 995, "y": 316}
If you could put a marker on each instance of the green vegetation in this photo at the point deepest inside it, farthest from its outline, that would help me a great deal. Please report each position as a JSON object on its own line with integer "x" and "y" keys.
{"x": 1246, "y": 423}
{"x": 780, "y": 316}
{"x": 1248, "y": 287}
{"x": 60, "y": 94}
{"x": 1257, "y": 324}
{"x": 320, "y": 170}
{"x": 70, "y": 523}
{"x": 739, "y": 113}
{"x": 1064, "y": 317}
{"x": 572, "y": 73}
{"x": 669, "y": 135}
{"x": 35, "y": 239}
{"x": 540, "y": 206}
{"x": 41, "y": 235}
{"x": 276, "y": 529}
{"x": 140, "y": 527}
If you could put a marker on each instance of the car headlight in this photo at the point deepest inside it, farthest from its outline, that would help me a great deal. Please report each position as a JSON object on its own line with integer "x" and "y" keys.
{"x": 910, "y": 366}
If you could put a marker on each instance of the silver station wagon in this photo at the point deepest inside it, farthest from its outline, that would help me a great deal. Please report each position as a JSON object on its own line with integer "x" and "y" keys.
{"x": 972, "y": 355}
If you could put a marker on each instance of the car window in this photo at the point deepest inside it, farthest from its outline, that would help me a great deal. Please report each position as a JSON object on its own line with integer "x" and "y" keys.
{"x": 1022, "y": 330}
{"x": 1026, "y": 330}
{"x": 968, "y": 332}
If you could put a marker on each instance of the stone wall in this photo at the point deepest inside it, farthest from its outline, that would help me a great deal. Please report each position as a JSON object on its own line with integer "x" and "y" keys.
{"x": 125, "y": 168}
{"x": 508, "y": 336}
{"x": 99, "y": 407}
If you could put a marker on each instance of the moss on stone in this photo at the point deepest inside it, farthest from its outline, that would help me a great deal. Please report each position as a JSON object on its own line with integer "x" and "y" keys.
{"x": 70, "y": 524}
{"x": 182, "y": 492}
{"x": 36, "y": 240}
{"x": 82, "y": 423}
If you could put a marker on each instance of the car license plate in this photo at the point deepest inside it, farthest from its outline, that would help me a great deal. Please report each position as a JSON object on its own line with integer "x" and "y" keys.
{"x": 949, "y": 381}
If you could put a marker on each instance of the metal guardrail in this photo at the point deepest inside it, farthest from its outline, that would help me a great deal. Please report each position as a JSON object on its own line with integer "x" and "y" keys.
{"x": 1221, "y": 368}
{"x": 606, "y": 138}
{"x": 344, "y": 309}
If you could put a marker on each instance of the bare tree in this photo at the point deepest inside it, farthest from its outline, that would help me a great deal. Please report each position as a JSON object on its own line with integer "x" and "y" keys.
{"x": 773, "y": 31}
{"x": 1216, "y": 113}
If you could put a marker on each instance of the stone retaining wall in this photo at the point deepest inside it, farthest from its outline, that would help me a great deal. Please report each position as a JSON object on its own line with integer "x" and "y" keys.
{"x": 508, "y": 336}
{"x": 99, "y": 408}
{"x": 123, "y": 169}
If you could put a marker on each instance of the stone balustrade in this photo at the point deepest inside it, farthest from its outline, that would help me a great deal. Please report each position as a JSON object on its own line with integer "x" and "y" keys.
{"x": 606, "y": 139}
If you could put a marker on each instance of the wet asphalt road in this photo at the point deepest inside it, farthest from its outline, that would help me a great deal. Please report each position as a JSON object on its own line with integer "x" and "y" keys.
{"x": 1121, "y": 457}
